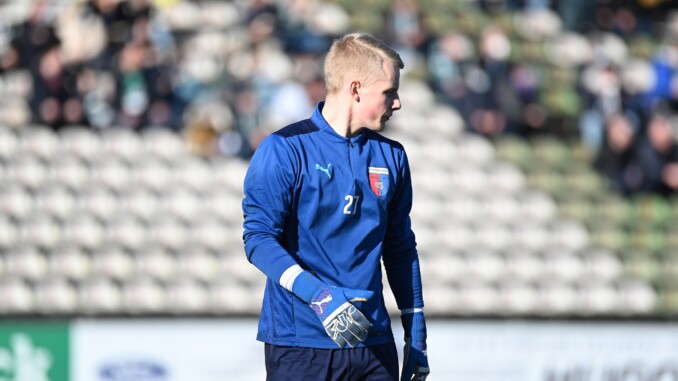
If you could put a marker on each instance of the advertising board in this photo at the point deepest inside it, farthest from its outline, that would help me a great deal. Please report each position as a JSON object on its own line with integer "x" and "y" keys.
{"x": 34, "y": 351}
{"x": 166, "y": 350}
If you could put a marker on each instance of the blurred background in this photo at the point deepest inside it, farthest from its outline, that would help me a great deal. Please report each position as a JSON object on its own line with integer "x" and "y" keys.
{"x": 542, "y": 139}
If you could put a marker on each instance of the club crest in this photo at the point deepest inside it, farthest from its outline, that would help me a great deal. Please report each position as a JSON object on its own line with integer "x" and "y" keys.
{"x": 378, "y": 180}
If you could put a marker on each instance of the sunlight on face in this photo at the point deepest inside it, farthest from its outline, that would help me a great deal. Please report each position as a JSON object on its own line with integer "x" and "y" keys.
{"x": 380, "y": 99}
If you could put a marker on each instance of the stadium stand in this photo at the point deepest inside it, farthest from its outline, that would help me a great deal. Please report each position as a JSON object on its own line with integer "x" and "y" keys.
{"x": 121, "y": 163}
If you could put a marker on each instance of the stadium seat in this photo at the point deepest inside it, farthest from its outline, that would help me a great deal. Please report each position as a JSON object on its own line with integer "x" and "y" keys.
{"x": 637, "y": 297}
{"x": 537, "y": 206}
{"x": 143, "y": 295}
{"x": 562, "y": 264}
{"x": 40, "y": 230}
{"x": 152, "y": 172}
{"x": 201, "y": 265}
{"x": 16, "y": 201}
{"x": 482, "y": 266}
{"x": 9, "y": 235}
{"x": 505, "y": 177}
{"x": 599, "y": 298}
{"x": 56, "y": 296}
{"x": 493, "y": 235}
{"x": 112, "y": 262}
{"x": 229, "y": 175}
{"x": 81, "y": 142}
{"x": 187, "y": 296}
{"x": 122, "y": 144}
{"x": 231, "y": 297}
{"x": 38, "y": 141}
{"x": 133, "y": 234}
{"x": 164, "y": 143}
{"x": 100, "y": 295}
{"x": 212, "y": 233}
{"x": 140, "y": 202}
{"x": 523, "y": 266}
{"x": 478, "y": 298}
{"x": 557, "y": 297}
{"x": 440, "y": 301}
{"x": 84, "y": 231}
{"x": 234, "y": 265}
{"x": 568, "y": 233}
{"x": 16, "y": 296}
{"x": 111, "y": 172}
{"x": 194, "y": 172}
{"x": 98, "y": 201}
{"x": 531, "y": 235}
{"x": 9, "y": 143}
{"x": 27, "y": 262}
{"x": 70, "y": 171}
{"x": 182, "y": 203}
{"x": 517, "y": 298}
{"x": 601, "y": 264}
{"x": 56, "y": 200}
{"x": 461, "y": 207}
{"x": 501, "y": 207}
{"x": 27, "y": 170}
{"x": 155, "y": 262}
{"x": 69, "y": 262}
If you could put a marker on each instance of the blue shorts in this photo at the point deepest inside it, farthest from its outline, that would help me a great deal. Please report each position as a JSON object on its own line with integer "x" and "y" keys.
{"x": 376, "y": 363}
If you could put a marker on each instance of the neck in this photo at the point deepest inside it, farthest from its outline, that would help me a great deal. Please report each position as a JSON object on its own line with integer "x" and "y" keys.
{"x": 338, "y": 115}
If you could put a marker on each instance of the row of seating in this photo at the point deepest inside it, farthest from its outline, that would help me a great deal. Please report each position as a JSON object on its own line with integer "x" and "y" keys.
{"x": 491, "y": 242}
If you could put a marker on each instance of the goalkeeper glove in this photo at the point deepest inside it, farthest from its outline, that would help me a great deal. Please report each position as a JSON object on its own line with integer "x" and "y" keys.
{"x": 415, "y": 362}
{"x": 343, "y": 322}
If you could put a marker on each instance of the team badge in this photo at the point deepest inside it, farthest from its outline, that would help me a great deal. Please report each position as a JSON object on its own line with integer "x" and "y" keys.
{"x": 379, "y": 180}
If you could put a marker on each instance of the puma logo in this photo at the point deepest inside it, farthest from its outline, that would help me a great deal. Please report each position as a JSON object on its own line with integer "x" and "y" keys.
{"x": 318, "y": 305}
{"x": 323, "y": 169}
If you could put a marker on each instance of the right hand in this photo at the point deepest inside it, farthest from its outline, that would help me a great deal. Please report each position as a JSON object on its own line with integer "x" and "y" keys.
{"x": 343, "y": 321}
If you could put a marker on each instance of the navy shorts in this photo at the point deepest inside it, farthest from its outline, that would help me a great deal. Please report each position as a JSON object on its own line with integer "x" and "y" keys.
{"x": 377, "y": 363}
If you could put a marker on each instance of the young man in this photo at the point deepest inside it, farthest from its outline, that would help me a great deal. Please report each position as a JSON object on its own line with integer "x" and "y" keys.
{"x": 326, "y": 200}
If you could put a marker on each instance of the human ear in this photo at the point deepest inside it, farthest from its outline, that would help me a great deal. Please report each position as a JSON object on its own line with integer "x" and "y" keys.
{"x": 354, "y": 89}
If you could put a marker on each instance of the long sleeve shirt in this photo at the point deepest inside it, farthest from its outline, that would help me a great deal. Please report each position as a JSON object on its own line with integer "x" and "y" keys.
{"x": 336, "y": 206}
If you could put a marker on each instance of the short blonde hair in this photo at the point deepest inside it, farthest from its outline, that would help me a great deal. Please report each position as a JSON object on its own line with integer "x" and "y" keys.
{"x": 359, "y": 56}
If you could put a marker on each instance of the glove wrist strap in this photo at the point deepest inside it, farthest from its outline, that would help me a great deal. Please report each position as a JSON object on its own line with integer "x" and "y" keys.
{"x": 305, "y": 286}
{"x": 411, "y": 310}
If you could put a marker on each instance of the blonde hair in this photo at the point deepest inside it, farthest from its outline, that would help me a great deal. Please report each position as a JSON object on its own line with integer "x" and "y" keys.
{"x": 358, "y": 56}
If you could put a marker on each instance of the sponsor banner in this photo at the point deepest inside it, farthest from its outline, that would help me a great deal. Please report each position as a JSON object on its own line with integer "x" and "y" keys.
{"x": 34, "y": 351}
{"x": 459, "y": 350}
{"x": 166, "y": 350}
{"x": 553, "y": 351}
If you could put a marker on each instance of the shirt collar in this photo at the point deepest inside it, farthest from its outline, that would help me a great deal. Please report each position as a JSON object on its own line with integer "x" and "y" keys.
{"x": 319, "y": 120}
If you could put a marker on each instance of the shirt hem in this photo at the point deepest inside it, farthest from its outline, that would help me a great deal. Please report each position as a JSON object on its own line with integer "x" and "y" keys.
{"x": 323, "y": 344}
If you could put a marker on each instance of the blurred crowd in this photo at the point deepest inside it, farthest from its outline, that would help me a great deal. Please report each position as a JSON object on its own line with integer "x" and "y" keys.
{"x": 227, "y": 73}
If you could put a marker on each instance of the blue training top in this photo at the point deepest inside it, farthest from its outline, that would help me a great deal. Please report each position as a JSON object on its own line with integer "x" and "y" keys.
{"x": 335, "y": 206}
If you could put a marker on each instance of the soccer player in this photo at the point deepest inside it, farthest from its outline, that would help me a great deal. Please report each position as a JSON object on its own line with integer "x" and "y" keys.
{"x": 326, "y": 200}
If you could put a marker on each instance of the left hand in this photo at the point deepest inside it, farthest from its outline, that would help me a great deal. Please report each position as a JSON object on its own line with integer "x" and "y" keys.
{"x": 415, "y": 361}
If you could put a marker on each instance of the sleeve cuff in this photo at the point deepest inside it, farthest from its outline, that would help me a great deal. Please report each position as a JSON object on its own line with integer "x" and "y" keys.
{"x": 289, "y": 276}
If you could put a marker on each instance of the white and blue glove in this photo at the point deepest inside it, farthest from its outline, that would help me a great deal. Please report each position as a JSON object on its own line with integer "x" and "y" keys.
{"x": 415, "y": 362}
{"x": 343, "y": 321}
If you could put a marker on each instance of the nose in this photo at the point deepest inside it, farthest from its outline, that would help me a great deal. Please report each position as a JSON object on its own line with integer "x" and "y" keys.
{"x": 396, "y": 103}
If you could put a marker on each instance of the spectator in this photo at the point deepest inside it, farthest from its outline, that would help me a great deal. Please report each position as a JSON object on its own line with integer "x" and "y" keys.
{"x": 655, "y": 156}
{"x": 612, "y": 159}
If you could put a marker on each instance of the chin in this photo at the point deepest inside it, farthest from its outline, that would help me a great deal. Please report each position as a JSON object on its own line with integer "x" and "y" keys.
{"x": 379, "y": 128}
